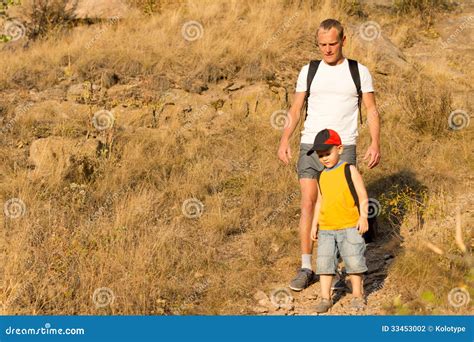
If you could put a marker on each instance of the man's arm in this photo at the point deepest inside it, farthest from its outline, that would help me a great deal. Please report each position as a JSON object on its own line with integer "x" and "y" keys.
{"x": 373, "y": 118}
{"x": 284, "y": 152}
{"x": 359, "y": 186}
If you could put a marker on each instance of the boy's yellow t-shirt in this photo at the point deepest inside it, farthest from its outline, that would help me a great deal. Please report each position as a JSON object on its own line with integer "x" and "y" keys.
{"x": 338, "y": 210}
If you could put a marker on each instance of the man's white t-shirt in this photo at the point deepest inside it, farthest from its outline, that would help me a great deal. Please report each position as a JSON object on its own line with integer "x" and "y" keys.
{"x": 333, "y": 100}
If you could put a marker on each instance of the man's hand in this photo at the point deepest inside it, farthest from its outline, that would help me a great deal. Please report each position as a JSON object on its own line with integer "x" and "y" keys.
{"x": 373, "y": 154}
{"x": 362, "y": 225}
{"x": 284, "y": 152}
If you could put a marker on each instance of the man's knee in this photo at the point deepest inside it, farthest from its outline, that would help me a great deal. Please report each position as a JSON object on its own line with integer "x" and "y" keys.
{"x": 307, "y": 205}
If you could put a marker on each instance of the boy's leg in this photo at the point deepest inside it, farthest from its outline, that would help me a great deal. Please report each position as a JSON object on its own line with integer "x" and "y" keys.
{"x": 326, "y": 264}
{"x": 326, "y": 281}
{"x": 357, "y": 285}
{"x": 358, "y": 301}
{"x": 352, "y": 248}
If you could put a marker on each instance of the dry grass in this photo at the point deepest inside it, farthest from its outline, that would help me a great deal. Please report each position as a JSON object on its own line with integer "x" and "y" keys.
{"x": 115, "y": 220}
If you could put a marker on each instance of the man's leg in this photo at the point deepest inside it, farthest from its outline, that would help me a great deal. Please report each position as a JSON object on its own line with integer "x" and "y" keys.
{"x": 308, "y": 168}
{"x": 309, "y": 193}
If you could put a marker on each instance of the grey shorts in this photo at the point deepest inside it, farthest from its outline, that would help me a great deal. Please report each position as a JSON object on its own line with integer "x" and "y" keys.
{"x": 310, "y": 166}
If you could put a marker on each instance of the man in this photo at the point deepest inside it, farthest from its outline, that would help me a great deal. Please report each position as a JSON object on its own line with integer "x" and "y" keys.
{"x": 333, "y": 103}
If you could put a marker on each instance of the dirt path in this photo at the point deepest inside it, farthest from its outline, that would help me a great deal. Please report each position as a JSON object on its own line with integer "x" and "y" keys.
{"x": 379, "y": 256}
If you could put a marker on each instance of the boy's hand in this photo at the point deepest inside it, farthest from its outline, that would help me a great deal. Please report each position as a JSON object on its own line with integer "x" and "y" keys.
{"x": 362, "y": 225}
{"x": 314, "y": 233}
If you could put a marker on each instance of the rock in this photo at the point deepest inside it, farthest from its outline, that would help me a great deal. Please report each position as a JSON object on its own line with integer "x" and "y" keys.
{"x": 77, "y": 92}
{"x": 259, "y": 295}
{"x": 371, "y": 40}
{"x": 254, "y": 99}
{"x": 50, "y": 111}
{"x": 193, "y": 85}
{"x": 109, "y": 79}
{"x": 57, "y": 157}
{"x": 384, "y": 3}
{"x": 99, "y": 9}
{"x": 265, "y": 303}
{"x": 260, "y": 309}
{"x": 55, "y": 93}
{"x": 125, "y": 93}
{"x": 234, "y": 86}
{"x": 375, "y": 266}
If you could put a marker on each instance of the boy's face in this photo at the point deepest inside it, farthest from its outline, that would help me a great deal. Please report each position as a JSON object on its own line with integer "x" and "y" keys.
{"x": 330, "y": 157}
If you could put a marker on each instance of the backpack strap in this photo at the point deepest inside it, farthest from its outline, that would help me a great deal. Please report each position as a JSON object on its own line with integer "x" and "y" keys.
{"x": 350, "y": 183}
{"x": 318, "y": 176}
{"x": 370, "y": 235}
{"x": 313, "y": 67}
{"x": 354, "y": 69}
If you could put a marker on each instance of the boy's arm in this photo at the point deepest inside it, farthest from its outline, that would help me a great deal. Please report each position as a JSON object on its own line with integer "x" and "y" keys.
{"x": 359, "y": 186}
{"x": 314, "y": 224}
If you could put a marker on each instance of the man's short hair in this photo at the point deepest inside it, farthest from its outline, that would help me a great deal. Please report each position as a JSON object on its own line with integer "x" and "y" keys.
{"x": 329, "y": 24}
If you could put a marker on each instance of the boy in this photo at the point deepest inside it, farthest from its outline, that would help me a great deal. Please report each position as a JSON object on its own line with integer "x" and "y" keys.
{"x": 337, "y": 224}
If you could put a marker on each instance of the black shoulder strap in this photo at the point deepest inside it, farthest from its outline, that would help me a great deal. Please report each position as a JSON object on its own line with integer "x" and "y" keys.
{"x": 347, "y": 173}
{"x": 354, "y": 68}
{"x": 370, "y": 235}
{"x": 318, "y": 176}
{"x": 313, "y": 67}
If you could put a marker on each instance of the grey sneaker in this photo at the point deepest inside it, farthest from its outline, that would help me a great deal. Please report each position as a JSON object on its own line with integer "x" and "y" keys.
{"x": 358, "y": 303}
{"x": 323, "y": 306}
{"x": 303, "y": 279}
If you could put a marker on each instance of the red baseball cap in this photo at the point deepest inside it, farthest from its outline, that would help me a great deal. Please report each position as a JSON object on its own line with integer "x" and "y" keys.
{"x": 324, "y": 140}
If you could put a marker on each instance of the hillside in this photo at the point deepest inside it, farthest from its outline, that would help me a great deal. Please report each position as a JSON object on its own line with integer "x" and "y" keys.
{"x": 138, "y": 159}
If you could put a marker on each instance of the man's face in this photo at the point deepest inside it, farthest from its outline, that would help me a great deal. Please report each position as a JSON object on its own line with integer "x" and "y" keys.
{"x": 330, "y": 157}
{"x": 330, "y": 45}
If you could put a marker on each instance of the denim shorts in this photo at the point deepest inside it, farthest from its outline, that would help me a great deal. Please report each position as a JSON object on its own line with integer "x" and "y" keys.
{"x": 349, "y": 243}
{"x": 310, "y": 166}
